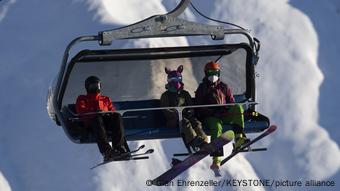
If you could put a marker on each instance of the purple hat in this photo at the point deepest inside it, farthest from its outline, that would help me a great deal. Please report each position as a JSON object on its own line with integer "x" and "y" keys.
{"x": 174, "y": 79}
{"x": 174, "y": 75}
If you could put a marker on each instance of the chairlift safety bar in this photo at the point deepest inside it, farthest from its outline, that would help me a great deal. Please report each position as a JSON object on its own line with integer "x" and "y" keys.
{"x": 179, "y": 109}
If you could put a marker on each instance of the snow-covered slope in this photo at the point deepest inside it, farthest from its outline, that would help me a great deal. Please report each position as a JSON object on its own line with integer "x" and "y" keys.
{"x": 288, "y": 90}
{"x": 4, "y": 186}
{"x": 35, "y": 154}
{"x": 327, "y": 27}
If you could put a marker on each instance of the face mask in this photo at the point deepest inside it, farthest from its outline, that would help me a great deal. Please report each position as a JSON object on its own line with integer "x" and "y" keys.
{"x": 94, "y": 88}
{"x": 174, "y": 86}
{"x": 213, "y": 78}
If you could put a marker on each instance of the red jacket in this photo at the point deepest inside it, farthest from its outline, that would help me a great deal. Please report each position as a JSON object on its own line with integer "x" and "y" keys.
{"x": 92, "y": 103}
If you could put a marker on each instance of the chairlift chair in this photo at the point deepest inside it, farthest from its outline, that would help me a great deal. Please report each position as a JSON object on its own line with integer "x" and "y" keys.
{"x": 142, "y": 118}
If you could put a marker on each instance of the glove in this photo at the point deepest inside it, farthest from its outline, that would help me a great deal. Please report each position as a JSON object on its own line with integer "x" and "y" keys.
{"x": 188, "y": 113}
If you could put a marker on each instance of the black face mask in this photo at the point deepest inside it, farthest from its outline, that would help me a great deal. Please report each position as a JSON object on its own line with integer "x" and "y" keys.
{"x": 94, "y": 88}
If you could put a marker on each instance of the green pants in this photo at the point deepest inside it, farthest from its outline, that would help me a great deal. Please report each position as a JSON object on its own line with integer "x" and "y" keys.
{"x": 234, "y": 116}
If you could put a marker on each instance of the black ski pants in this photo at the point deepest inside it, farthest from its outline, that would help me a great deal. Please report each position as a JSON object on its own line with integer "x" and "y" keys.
{"x": 99, "y": 127}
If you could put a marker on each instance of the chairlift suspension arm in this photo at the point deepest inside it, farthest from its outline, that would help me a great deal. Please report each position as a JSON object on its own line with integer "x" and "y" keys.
{"x": 179, "y": 9}
{"x": 64, "y": 63}
{"x": 56, "y": 100}
{"x": 168, "y": 25}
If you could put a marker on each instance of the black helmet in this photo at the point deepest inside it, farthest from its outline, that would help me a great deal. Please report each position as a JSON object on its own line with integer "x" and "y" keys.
{"x": 92, "y": 84}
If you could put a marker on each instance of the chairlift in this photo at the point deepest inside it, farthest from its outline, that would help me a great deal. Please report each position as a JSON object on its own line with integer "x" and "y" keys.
{"x": 143, "y": 119}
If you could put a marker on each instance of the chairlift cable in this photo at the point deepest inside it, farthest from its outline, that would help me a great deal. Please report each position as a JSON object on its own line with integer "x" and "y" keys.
{"x": 215, "y": 20}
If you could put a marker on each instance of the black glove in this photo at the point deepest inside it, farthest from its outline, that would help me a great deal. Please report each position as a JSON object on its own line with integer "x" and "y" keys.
{"x": 188, "y": 113}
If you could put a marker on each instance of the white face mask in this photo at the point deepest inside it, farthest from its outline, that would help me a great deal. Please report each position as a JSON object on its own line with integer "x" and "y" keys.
{"x": 213, "y": 78}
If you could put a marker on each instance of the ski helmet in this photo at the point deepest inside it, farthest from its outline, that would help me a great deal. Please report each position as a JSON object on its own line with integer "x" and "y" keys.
{"x": 212, "y": 68}
{"x": 212, "y": 71}
{"x": 92, "y": 84}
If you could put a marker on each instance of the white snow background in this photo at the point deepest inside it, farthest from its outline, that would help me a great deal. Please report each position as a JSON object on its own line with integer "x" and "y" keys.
{"x": 298, "y": 89}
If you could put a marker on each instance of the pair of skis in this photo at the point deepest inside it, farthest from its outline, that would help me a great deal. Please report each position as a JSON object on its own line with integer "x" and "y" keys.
{"x": 218, "y": 143}
{"x": 128, "y": 156}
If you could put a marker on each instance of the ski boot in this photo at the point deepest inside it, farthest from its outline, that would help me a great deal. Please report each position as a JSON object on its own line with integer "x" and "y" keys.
{"x": 108, "y": 155}
{"x": 215, "y": 166}
{"x": 121, "y": 149}
{"x": 123, "y": 152}
{"x": 240, "y": 140}
{"x": 197, "y": 143}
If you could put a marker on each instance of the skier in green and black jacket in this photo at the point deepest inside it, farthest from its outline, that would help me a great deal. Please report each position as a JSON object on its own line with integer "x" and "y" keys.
{"x": 175, "y": 96}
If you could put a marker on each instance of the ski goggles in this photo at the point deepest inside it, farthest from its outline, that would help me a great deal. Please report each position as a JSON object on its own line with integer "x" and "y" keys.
{"x": 94, "y": 87}
{"x": 211, "y": 72}
{"x": 175, "y": 79}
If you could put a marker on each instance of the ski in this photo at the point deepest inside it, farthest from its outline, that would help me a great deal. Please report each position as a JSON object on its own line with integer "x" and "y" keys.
{"x": 117, "y": 160}
{"x": 126, "y": 157}
{"x": 182, "y": 154}
{"x": 244, "y": 147}
{"x": 145, "y": 153}
{"x": 253, "y": 150}
{"x": 181, "y": 166}
{"x": 136, "y": 150}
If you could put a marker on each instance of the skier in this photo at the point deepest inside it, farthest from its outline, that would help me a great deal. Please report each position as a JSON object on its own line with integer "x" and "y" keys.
{"x": 98, "y": 125}
{"x": 175, "y": 95}
{"x": 213, "y": 91}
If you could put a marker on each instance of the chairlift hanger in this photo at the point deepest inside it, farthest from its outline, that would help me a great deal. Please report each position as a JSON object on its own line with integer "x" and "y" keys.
{"x": 168, "y": 25}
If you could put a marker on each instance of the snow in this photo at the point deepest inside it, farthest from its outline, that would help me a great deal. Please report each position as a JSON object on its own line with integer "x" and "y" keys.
{"x": 290, "y": 103}
{"x": 4, "y": 186}
{"x": 326, "y": 26}
{"x": 4, "y": 8}
{"x": 297, "y": 89}
{"x": 125, "y": 13}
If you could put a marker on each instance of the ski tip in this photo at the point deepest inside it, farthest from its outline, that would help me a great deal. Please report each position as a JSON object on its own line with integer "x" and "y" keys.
{"x": 149, "y": 151}
{"x": 228, "y": 135}
{"x": 142, "y": 146}
{"x": 272, "y": 128}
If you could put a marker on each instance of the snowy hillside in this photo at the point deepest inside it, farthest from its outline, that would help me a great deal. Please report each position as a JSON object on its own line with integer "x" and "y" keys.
{"x": 297, "y": 88}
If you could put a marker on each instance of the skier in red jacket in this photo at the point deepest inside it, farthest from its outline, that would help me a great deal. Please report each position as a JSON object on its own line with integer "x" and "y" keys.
{"x": 93, "y": 101}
